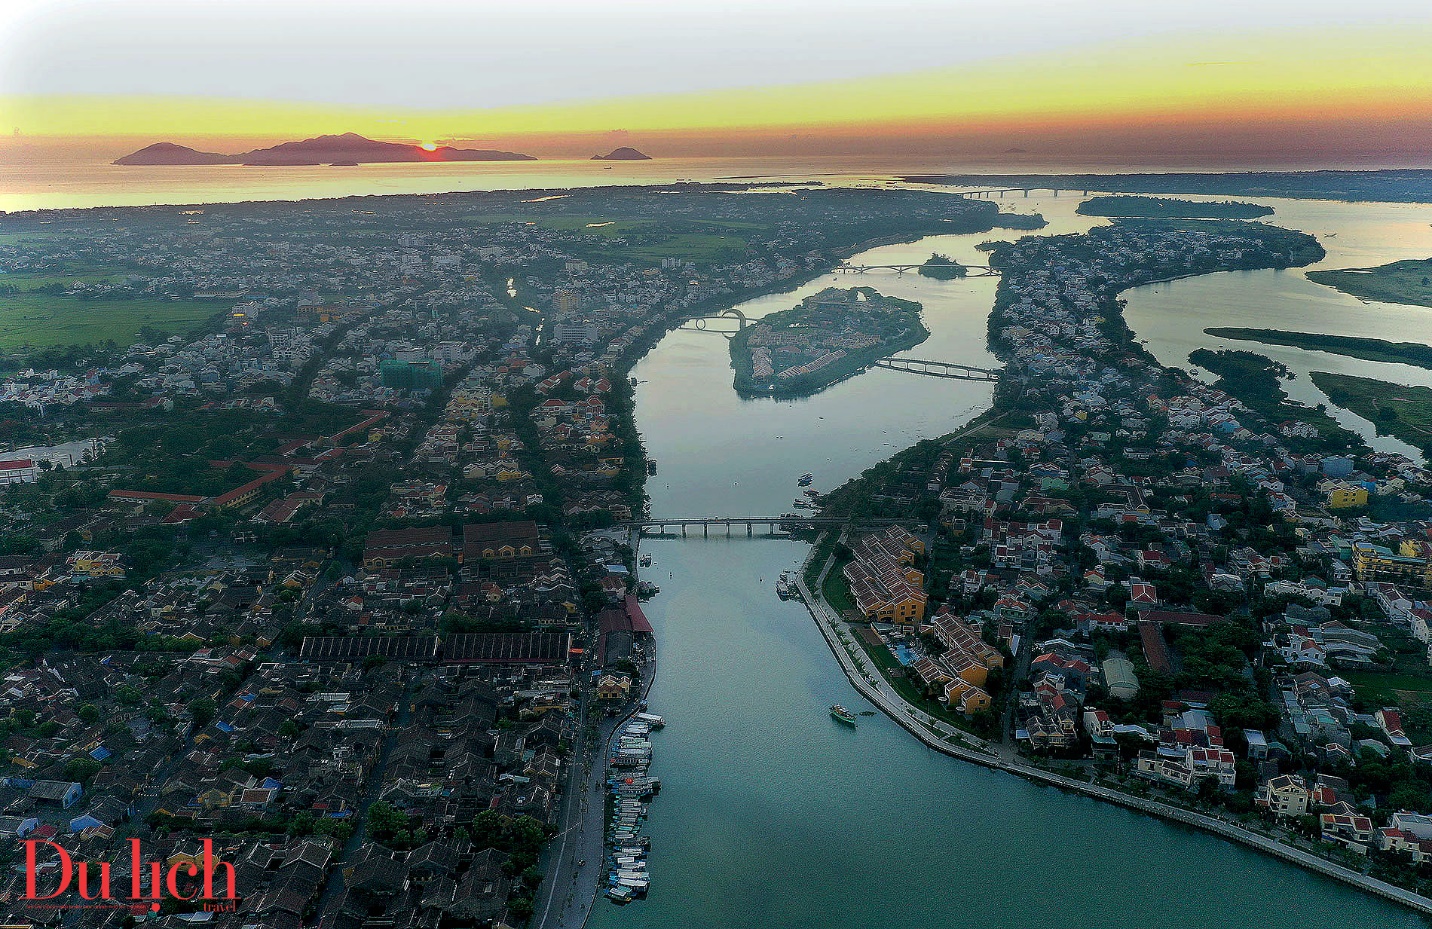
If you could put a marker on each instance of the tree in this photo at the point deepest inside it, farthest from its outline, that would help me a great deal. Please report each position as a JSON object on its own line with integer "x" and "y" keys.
{"x": 202, "y": 710}
{"x": 88, "y": 713}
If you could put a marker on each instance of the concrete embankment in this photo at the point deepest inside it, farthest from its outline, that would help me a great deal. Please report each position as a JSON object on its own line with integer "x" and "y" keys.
{"x": 945, "y": 738}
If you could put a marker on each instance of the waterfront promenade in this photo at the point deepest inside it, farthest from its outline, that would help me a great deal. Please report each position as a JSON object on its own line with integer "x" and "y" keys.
{"x": 575, "y": 863}
{"x": 941, "y": 736}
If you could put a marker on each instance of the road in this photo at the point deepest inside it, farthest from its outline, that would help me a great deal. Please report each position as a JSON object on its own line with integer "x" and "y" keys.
{"x": 574, "y": 863}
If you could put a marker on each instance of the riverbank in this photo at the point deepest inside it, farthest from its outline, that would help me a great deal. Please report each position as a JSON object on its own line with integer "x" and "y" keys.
{"x": 950, "y": 741}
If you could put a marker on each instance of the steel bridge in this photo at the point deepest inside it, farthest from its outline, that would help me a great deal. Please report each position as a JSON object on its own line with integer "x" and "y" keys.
{"x": 938, "y": 369}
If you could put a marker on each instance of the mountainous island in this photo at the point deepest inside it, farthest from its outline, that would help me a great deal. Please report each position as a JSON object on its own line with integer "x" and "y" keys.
{"x": 624, "y": 153}
{"x": 346, "y": 149}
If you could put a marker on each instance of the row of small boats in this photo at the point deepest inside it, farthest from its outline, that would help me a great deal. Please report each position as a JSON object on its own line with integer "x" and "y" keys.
{"x": 631, "y": 787}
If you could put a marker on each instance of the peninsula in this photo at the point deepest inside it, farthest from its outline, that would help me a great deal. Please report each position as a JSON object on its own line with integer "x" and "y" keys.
{"x": 831, "y": 336}
{"x": 348, "y": 148}
{"x": 1399, "y": 282}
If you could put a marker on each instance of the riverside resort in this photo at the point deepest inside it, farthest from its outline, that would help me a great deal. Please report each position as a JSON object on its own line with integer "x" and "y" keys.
{"x": 664, "y": 471}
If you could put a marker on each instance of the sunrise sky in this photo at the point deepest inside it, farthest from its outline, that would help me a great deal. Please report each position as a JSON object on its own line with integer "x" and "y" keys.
{"x": 1214, "y": 80}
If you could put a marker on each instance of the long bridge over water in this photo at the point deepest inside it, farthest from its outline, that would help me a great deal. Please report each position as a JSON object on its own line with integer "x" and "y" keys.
{"x": 846, "y": 267}
{"x": 789, "y": 522}
{"x": 937, "y": 369}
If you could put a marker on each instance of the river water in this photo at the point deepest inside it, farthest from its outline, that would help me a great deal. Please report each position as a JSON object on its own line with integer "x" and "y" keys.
{"x": 772, "y": 814}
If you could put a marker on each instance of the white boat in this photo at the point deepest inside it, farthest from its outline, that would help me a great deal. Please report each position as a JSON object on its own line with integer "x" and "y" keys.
{"x": 655, "y": 722}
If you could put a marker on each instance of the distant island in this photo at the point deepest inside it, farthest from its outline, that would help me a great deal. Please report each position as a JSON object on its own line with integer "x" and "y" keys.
{"x": 346, "y": 149}
{"x": 943, "y": 268}
{"x": 831, "y": 336}
{"x": 1164, "y": 208}
{"x": 1399, "y": 282}
{"x": 622, "y": 154}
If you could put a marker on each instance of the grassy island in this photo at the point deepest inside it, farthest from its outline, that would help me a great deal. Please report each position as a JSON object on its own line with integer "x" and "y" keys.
{"x": 831, "y": 336}
{"x": 1412, "y": 353}
{"x": 1398, "y": 282}
{"x": 943, "y": 268}
{"x": 1166, "y": 208}
{"x": 1402, "y": 412}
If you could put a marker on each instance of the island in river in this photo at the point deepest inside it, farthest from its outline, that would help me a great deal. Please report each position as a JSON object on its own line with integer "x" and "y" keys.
{"x": 1410, "y": 353}
{"x": 943, "y": 268}
{"x": 1169, "y": 208}
{"x": 1399, "y": 282}
{"x": 829, "y": 337}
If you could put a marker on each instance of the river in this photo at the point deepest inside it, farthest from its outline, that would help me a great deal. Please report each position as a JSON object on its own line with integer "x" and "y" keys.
{"x": 772, "y": 814}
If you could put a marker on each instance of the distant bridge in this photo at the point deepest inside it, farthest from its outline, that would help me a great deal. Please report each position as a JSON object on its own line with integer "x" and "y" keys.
{"x": 846, "y": 267}
{"x": 789, "y": 522}
{"x": 992, "y": 192}
{"x": 938, "y": 369}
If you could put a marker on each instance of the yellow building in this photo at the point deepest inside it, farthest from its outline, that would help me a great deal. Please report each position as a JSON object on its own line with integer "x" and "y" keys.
{"x": 1342, "y": 495}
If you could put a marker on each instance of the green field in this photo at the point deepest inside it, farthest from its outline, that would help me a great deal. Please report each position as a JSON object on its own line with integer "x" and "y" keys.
{"x": 1402, "y": 412}
{"x": 1389, "y": 688}
{"x": 1412, "y": 353}
{"x": 1399, "y": 282}
{"x": 35, "y": 321}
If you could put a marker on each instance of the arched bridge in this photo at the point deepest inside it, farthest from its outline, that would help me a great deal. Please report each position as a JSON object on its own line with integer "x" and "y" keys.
{"x": 724, "y": 320}
{"x": 846, "y": 267}
{"x": 788, "y": 522}
{"x": 938, "y": 369}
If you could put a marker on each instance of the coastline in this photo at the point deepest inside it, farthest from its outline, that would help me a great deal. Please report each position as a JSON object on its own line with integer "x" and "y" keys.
{"x": 926, "y": 729}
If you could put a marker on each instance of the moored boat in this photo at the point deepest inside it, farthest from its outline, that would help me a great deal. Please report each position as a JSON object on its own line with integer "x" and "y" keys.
{"x": 841, "y": 714}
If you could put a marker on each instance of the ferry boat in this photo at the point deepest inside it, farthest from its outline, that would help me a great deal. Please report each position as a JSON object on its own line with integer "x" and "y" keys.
{"x": 803, "y": 504}
{"x": 841, "y": 714}
{"x": 620, "y": 895}
{"x": 785, "y": 589}
{"x": 805, "y": 479}
{"x": 651, "y": 719}
{"x": 646, "y": 561}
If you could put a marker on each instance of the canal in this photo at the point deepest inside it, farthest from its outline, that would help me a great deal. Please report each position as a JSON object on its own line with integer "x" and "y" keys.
{"x": 772, "y": 814}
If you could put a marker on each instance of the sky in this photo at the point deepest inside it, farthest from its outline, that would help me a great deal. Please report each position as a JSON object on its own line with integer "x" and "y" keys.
{"x": 1313, "y": 76}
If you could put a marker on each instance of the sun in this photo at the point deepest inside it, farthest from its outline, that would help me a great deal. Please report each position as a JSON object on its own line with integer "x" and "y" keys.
{"x": 429, "y": 146}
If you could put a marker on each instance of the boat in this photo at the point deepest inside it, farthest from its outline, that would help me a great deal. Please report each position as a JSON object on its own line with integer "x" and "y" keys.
{"x": 646, "y": 561}
{"x": 813, "y": 494}
{"x": 805, "y": 479}
{"x": 785, "y": 589}
{"x": 803, "y": 504}
{"x": 620, "y": 894}
{"x": 841, "y": 714}
{"x": 651, "y": 466}
{"x": 652, "y": 720}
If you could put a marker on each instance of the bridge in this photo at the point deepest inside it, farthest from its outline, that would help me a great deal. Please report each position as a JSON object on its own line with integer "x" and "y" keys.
{"x": 725, "y": 317}
{"x": 938, "y": 369}
{"x": 992, "y": 192}
{"x": 846, "y": 267}
{"x": 789, "y": 522}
